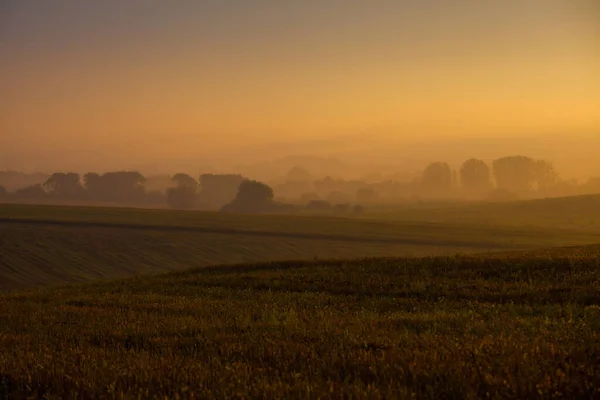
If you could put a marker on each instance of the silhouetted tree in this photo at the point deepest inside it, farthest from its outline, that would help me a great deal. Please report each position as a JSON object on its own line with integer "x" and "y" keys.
{"x": 475, "y": 175}
{"x": 64, "y": 185}
{"x": 184, "y": 180}
{"x": 120, "y": 187}
{"x": 93, "y": 184}
{"x": 437, "y": 176}
{"x": 218, "y": 190}
{"x": 523, "y": 175}
{"x": 3, "y": 191}
{"x": 252, "y": 197}
{"x": 545, "y": 176}
{"x": 183, "y": 195}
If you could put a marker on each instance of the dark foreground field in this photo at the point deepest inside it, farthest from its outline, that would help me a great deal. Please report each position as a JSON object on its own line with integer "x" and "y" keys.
{"x": 521, "y": 325}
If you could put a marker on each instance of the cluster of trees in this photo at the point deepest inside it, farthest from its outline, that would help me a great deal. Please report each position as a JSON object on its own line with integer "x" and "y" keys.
{"x": 516, "y": 175}
{"x": 232, "y": 193}
{"x": 228, "y": 193}
{"x": 253, "y": 197}
{"x": 507, "y": 178}
{"x": 118, "y": 187}
{"x": 211, "y": 192}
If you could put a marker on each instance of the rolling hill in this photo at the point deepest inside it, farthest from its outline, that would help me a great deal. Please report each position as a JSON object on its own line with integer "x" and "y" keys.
{"x": 53, "y": 244}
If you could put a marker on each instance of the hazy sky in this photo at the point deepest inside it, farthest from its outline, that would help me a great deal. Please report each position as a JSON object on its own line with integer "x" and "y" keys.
{"x": 161, "y": 78}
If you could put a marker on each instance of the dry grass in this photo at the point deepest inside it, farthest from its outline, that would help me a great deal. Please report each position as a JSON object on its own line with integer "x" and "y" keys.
{"x": 523, "y": 325}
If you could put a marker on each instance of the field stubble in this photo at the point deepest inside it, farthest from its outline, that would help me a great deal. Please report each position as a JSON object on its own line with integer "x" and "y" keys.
{"x": 516, "y": 325}
{"x": 522, "y": 325}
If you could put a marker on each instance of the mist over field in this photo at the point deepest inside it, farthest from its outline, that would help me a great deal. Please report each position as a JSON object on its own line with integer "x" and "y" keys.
{"x": 299, "y": 199}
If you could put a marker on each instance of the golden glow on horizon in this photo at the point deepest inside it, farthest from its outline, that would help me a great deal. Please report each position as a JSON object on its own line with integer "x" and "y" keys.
{"x": 247, "y": 91}
{"x": 151, "y": 102}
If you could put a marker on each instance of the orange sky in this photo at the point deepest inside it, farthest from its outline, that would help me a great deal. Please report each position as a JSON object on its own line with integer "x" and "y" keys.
{"x": 85, "y": 75}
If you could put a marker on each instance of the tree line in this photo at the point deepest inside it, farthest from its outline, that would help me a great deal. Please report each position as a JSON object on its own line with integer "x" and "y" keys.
{"x": 226, "y": 192}
{"x": 507, "y": 178}
{"x": 516, "y": 174}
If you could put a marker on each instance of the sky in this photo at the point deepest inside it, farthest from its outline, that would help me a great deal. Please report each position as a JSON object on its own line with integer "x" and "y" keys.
{"x": 149, "y": 80}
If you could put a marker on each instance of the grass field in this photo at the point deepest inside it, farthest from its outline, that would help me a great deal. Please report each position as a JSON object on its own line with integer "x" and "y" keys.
{"x": 394, "y": 312}
{"x": 518, "y": 325}
{"x": 54, "y": 245}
